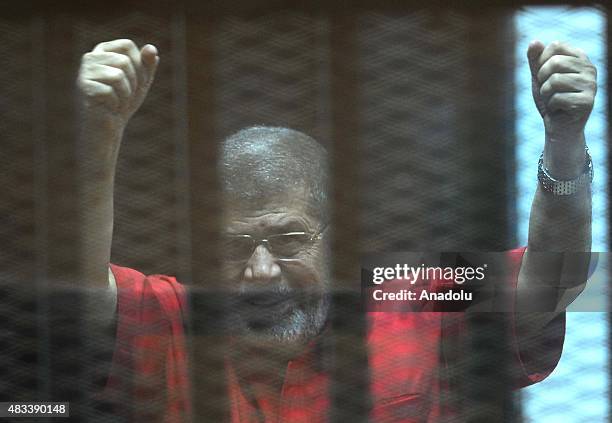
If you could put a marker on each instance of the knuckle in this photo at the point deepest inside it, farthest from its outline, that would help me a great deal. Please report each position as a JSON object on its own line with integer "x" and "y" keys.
{"x": 126, "y": 42}
{"x": 86, "y": 71}
{"x": 123, "y": 60}
{"x": 102, "y": 46}
{"x": 88, "y": 57}
{"x": 554, "y": 79}
{"x": 105, "y": 91}
{"x": 115, "y": 74}
{"x": 95, "y": 91}
{"x": 542, "y": 74}
{"x": 556, "y": 98}
{"x": 556, "y": 61}
{"x": 115, "y": 45}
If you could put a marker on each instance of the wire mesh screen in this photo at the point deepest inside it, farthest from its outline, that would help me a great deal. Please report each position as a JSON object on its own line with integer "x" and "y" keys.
{"x": 418, "y": 89}
{"x": 586, "y": 332}
{"x": 272, "y": 70}
{"x": 415, "y": 109}
{"x": 19, "y": 213}
{"x": 429, "y": 163}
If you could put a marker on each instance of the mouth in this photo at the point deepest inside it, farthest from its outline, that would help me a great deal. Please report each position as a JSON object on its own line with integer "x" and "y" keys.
{"x": 268, "y": 299}
{"x": 263, "y": 311}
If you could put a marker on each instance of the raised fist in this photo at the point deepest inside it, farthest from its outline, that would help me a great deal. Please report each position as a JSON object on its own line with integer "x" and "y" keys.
{"x": 564, "y": 83}
{"x": 114, "y": 79}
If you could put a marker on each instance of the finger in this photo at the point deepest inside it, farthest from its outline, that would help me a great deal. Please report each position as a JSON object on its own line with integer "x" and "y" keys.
{"x": 114, "y": 77}
{"x": 534, "y": 51}
{"x": 558, "y": 47}
{"x": 569, "y": 102}
{"x": 126, "y": 47}
{"x": 562, "y": 82}
{"x": 101, "y": 93}
{"x": 117, "y": 60}
{"x": 560, "y": 64}
{"x": 150, "y": 60}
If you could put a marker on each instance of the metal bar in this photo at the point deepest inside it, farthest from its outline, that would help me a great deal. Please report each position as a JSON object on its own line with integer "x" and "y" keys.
{"x": 181, "y": 129}
{"x": 41, "y": 200}
{"x": 259, "y": 7}
{"x": 488, "y": 133}
{"x": 608, "y": 46}
{"x": 209, "y": 390}
{"x": 350, "y": 377}
{"x": 62, "y": 254}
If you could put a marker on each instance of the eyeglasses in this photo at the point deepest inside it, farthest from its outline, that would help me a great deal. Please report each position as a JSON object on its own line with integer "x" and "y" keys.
{"x": 283, "y": 246}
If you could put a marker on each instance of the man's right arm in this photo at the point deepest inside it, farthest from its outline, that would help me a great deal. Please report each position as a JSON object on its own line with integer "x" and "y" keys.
{"x": 113, "y": 81}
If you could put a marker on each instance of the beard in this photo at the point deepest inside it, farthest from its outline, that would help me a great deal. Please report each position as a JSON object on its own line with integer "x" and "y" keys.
{"x": 272, "y": 327}
{"x": 278, "y": 316}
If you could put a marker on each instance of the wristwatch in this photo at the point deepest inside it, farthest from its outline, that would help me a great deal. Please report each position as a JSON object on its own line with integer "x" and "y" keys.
{"x": 565, "y": 187}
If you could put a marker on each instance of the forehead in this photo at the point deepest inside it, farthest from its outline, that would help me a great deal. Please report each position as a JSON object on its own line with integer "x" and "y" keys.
{"x": 288, "y": 210}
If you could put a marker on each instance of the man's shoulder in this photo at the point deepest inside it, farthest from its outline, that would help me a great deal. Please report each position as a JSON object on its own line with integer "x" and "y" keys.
{"x": 138, "y": 292}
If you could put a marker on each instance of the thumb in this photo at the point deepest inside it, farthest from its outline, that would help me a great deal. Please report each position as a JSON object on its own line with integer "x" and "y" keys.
{"x": 534, "y": 51}
{"x": 150, "y": 60}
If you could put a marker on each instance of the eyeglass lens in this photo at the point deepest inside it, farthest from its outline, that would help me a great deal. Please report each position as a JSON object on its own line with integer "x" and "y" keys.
{"x": 241, "y": 247}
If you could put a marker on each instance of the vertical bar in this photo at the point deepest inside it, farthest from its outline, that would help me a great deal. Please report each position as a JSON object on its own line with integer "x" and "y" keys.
{"x": 181, "y": 131}
{"x": 202, "y": 146}
{"x": 20, "y": 328}
{"x": 75, "y": 344}
{"x": 488, "y": 137}
{"x": 41, "y": 198}
{"x": 608, "y": 49}
{"x": 209, "y": 393}
{"x": 60, "y": 135}
{"x": 350, "y": 378}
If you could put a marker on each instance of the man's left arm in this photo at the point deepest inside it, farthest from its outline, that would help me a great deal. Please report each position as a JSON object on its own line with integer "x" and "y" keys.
{"x": 555, "y": 264}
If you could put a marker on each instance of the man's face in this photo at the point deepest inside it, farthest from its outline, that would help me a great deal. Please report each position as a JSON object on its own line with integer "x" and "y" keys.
{"x": 281, "y": 286}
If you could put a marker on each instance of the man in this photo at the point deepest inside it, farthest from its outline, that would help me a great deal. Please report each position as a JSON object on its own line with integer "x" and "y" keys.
{"x": 275, "y": 258}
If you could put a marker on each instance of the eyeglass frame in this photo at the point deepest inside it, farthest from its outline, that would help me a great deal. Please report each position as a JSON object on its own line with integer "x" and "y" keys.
{"x": 256, "y": 242}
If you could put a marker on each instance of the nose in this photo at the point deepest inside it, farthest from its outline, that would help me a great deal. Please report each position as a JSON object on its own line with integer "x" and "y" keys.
{"x": 261, "y": 267}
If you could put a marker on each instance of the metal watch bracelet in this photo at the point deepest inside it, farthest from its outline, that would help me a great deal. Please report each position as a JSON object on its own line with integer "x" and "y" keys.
{"x": 565, "y": 187}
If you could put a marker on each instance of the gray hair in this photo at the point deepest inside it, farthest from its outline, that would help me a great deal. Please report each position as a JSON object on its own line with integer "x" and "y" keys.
{"x": 262, "y": 161}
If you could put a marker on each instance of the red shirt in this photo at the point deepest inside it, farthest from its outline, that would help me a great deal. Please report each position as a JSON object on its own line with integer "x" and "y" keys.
{"x": 150, "y": 369}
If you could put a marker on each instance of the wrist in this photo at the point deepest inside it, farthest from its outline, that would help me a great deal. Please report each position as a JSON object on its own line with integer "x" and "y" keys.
{"x": 564, "y": 187}
{"x": 100, "y": 139}
{"x": 109, "y": 124}
{"x": 564, "y": 156}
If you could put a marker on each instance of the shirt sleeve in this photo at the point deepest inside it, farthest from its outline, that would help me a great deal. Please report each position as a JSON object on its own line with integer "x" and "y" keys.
{"x": 148, "y": 379}
{"x": 535, "y": 361}
{"x": 462, "y": 334}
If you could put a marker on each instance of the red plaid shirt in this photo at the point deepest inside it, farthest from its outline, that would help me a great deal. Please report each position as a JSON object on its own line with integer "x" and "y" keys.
{"x": 150, "y": 369}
